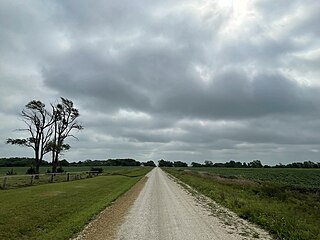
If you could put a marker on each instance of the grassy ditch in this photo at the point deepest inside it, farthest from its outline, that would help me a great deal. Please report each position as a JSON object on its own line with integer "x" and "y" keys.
{"x": 58, "y": 210}
{"x": 286, "y": 212}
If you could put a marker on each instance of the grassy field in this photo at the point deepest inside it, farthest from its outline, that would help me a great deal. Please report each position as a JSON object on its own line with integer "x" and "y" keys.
{"x": 58, "y": 210}
{"x": 23, "y": 170}
{"x": 300, "y": 178}
{"x": 76, "y": 173}
{"x": 275, "y": 199}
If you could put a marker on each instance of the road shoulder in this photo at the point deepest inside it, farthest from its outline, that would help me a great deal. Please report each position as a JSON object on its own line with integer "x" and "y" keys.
{"x": 105, "y": 225}
{"x": 228, "y": 220}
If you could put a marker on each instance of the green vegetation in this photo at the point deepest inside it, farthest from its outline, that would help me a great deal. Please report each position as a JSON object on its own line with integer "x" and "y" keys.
{"x": 106, "y": 169}
{"x": 299, "y": 178}
{"x": 15, "y": 162}
{"x": 18, "y": 162}
{"x": 163, "y": 163}
{"x": 270, "y": 198}
{"x": 74, "y": 173}
{"x": 58, "y": 210}
{"x": 48, "y": 129}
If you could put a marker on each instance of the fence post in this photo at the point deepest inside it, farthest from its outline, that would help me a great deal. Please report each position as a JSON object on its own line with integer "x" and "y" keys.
{"x": 68, "y": 177}
{"x": 32, "y": 179}
{"x": 52, "y": 176}
{"x": 4, "y": 184}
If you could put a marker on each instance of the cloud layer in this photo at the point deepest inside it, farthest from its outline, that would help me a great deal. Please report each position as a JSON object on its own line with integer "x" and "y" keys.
{"x": 179, "y": 80}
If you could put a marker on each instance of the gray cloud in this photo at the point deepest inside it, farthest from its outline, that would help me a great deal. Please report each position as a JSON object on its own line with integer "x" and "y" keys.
{"x": 183, "y": 80}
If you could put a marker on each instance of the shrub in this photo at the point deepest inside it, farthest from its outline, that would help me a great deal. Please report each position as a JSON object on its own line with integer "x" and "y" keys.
{"x": 31, "y": 170}
{"x": 60, "y": 170}
{"x": 11, "y": 172}
{"x": 97, "y": 169}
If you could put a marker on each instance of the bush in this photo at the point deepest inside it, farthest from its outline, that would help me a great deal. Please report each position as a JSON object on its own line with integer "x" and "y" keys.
{"x": 11, "y": 172}
{"x": 60, "y": 170}
{"x": 31, "y": 170}
{"x": 97, "y": 169}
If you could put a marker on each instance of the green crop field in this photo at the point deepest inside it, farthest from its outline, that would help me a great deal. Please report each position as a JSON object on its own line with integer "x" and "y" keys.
{"x": 304, "y": 178}
{"x": 58, "y": 210}
{"x": 286, "y": 202}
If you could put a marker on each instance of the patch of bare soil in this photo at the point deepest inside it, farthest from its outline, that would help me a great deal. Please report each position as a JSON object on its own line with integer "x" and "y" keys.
{"x": 105, "y": 225}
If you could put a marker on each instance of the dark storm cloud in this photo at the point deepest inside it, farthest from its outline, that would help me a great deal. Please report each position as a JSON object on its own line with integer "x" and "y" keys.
{"x": 188, "y": 80}
{"x": 233, "y": 95}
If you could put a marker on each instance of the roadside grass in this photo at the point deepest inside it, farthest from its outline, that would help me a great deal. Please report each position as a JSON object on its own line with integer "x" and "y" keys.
{"x": 59, "y": 210}
{"x": 295, "y": 177}
{"x": 286, "y": 212}
{"x": 106, "y": 169}
{"x": 76, "y": 173}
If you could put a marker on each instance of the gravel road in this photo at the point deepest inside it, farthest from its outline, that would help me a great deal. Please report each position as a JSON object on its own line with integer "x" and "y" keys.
{"x": 165, "y": 210}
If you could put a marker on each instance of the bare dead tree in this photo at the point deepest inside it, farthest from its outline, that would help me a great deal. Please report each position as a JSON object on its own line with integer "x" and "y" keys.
{"x": 39, "y": 124}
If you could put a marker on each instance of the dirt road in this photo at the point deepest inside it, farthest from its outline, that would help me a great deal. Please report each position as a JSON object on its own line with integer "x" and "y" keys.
{"x": 165, "y": 210}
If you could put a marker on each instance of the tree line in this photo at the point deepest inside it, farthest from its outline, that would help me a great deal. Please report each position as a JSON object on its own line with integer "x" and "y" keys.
{"x": 48, "y": 129}
{"x": 113, "y": 162}
{"x": 233, "y": 164}
{"x": 163, "y": 163}
{"x": 28, "y": 162}
{"x": 257, "y": 164}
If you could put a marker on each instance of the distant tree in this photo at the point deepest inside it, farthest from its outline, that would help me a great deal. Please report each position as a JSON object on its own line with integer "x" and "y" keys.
{"x": 39, "y": 127}
{"x": 149, "y": 164}
{"x": 255, "y": 164}
{"x": 64, "y": 163}
{"x": 122, "y": 162}
{"x": 219, "y": 165}
{"x": 47, "y": 129}
{"x": 180, "y": 164}
{"x": 19, "y": 162}
{"x": 295, "y": 165}
{"x": 194, "y": 164}
{"x": 305, "y": 164}
{"x": 208, "y": 163}
{"x": 65, "y": 117}
{"x": 230, "y": 164}
{"x": 280, "y": 165}
{"x": 233, "y": 164}
{"x": 163, "y": 163}
{"x": 238, "y": 165}
{"x": 309, "y": 164}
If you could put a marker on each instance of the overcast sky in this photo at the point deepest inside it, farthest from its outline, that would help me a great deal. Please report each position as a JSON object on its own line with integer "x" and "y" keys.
{"x": 186, "y": 80}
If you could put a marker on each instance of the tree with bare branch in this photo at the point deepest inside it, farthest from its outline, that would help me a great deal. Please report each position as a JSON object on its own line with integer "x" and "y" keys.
{"x": 39, "y": 124}
{"x": 65, "y": 117}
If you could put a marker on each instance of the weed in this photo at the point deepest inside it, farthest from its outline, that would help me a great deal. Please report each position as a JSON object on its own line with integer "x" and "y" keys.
{"x": 11, "y": 172}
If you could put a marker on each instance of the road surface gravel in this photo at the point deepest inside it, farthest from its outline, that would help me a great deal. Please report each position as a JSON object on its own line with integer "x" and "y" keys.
{"x": 164, "y": 210}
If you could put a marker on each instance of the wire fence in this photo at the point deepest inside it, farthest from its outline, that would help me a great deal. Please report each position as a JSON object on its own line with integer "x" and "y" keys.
{"x": 15, "y": 181}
